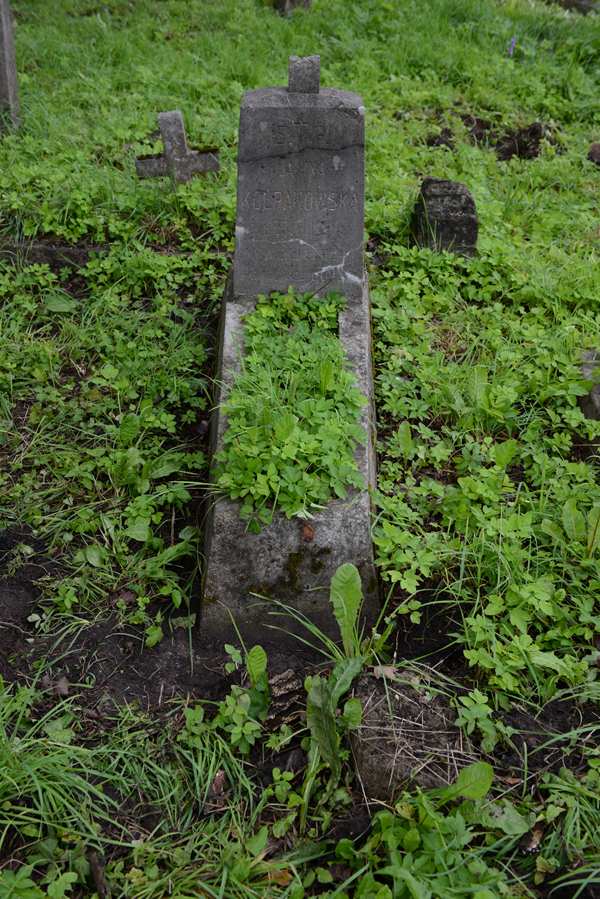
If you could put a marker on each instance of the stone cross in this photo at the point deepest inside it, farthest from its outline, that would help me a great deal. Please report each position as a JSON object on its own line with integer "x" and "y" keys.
{"x": 9, "y": 88}
{"x": 300, "y": 188}
{"x": 178, "y": 160}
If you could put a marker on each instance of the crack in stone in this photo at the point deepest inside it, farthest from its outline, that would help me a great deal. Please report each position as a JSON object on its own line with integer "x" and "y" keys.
{"x": 298, "y": 152}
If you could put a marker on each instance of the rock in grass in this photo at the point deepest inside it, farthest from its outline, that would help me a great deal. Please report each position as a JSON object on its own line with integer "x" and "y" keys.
{"x": 594, "y": 154}
{"x": 9, "y": 87}
{"x": 286, "y": 7}
{"x": 407, "y": 737}
{"x": 583, "y": 6}
{"x": 590, "y": 370}
{"x": 445, "y": 217}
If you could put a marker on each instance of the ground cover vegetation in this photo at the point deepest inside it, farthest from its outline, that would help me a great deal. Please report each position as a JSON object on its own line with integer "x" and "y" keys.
{"x": 293, "y": 415}
{"x": 487, "y": 529}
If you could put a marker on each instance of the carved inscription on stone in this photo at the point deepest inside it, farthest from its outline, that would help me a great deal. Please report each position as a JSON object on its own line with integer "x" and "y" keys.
{"x": 300, "y": 193}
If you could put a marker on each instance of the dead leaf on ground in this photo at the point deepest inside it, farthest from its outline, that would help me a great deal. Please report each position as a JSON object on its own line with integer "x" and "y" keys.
{"x": 385, "y": 672}
{"x": 308, "y": 533}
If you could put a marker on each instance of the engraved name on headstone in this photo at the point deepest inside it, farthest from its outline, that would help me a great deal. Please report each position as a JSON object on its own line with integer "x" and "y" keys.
{"x": 178, "y": 161}
{"x": 9, "y": 87}
{"x": 300, "y": 188}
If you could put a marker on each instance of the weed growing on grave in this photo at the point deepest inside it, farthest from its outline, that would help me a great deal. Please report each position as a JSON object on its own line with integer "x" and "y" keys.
{"x": 293, "y": 413}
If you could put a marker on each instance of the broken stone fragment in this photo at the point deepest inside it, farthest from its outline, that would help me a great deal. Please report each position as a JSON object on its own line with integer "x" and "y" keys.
{"x": 582, "y": 6}
{"x": 286, "y": 7}
{"x": 590, "y": 370}
{"x": 594, "y": 154}
{"x": 445, "y": 217}
{"x": 407, "y": 737}
{"x": 9, "y": 86}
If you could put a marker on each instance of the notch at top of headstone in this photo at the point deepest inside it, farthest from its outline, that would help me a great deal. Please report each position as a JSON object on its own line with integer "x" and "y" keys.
{"x": 304, "y": 75}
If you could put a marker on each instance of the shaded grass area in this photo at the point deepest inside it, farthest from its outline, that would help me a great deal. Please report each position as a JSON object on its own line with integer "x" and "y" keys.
{"x": 489, "y": 498}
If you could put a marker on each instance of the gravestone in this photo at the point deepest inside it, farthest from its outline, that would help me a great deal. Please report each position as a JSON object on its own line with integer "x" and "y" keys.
{"x": 590, "y": 370}
{"x": 300, "y": 219}
{"x": 445, "y": 217}
{"x": 300, "y": 188}
{"x": 178, "y": 161}
{"x": 9, "y": 88}
{"x": 286, "y": 7}
{"x": 594, "y": 153}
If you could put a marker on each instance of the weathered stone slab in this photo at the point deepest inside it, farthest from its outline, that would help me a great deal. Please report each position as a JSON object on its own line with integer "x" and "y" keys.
{"x": 300, "y": 190}
{"x": 582, "y": 6}
{"x": 9, "y": 86}
{"x": 295, "y": 148}
{"x": 410, "y": 731}
{"x": 594, "y": 153}
{"x": 286, "y": 7}
{"x": 445, "y": 217}
{"x": 279, "y": 562}
{"x": 590, "y": 370}
{"x": 178, "y": 161}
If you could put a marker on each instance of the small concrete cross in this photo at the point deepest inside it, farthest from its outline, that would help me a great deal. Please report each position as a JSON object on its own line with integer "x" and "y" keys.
{"x": 304, "y": 75}
{"x": 178, "y": 160}
{"x": 9, "y": 87}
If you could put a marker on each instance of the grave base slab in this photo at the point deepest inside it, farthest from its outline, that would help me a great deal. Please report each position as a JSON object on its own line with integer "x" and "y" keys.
{"x": 291, "y": 560}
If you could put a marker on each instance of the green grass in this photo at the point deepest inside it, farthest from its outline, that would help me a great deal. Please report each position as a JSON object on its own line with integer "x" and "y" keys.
{"x": 488, "y": 501}
{"x": 293, "y": 413}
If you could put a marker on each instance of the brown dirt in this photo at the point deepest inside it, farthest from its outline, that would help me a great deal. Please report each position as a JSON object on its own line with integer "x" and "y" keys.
{"x": 444, "y": 138}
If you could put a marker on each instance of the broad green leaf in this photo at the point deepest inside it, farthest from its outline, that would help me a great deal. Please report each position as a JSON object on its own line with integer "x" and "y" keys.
{"x": 352, "y": 713}
{"x": 473, "y": 782}
{"x": 59, "y": 888}
{"x": 257, "y": 844}
{"x": 553, "y": 530}
{"x": 573, "y": 521}
{"x": 478, "y": 386}
{"x": 505, "y": 452}
{"x": 129, "y": 428}
{"x": 94, "y": 555}
{"x": 320, "y": 717}
{"x": 404, "y": 439}
{"x": 593, "y": 530}
{"x": 60, "y": 302}
{"x": 342, "y": 676}
{"x": 163, "y": 466}
{"x": 139, "y": 529}
{"x": 154, "y": 635}
{"x": 346, "y": 598}
{"x": 502, "y": 815}
{"x": 256, "y": 663}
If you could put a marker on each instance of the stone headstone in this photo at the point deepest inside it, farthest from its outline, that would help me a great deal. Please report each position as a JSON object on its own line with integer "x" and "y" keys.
{"x": 178, "y": 161}
{"x": 300, "y": 195}
{"x": 445, "y": 217}
{"x": 590, "y": 370}
{"x": 594, "y": 154}
{"x": 286, "y": 7}
{"x": 9, "y": 87}
{"x": 300, "y": 224}
{"x": 582, "y": 6}
{"x": 410, "y": 731}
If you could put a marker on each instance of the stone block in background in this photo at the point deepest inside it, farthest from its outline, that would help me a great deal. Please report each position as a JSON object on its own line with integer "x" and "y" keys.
{"x": 9, "y": 86}
{"x": 590, "y": 370}
{"x": 407, "y": 738}
{"x": 286, "y": 7}
{"x": 445, "y": 217}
